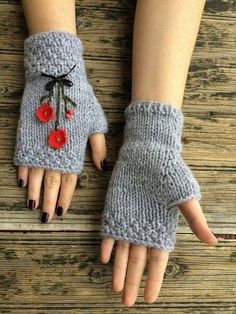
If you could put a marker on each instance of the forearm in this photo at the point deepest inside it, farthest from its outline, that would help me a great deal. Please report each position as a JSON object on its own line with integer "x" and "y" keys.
{"x": 165, "y": 32}
{"x": 50, "y": 15}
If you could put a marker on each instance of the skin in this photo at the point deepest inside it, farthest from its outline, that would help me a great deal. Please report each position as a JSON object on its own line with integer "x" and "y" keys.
{"x": 43, "y": 16}
{"x": 156, "y": 76}
{"x": 165, "y": 32}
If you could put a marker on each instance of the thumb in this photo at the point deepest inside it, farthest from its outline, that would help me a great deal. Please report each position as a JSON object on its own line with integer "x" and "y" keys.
{"x": 99, "y": 151}
{"x": 194, "y": 216}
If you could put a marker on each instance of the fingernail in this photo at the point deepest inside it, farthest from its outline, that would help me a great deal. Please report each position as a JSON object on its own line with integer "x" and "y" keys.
{"x": 104, "y": 165}
{"x": 215, "y": 235}
{"x": 59, "y": 211}
{"x": 44, "y": 217}
{"x": 31, "y": 204}
{"x": 20, "y": 183}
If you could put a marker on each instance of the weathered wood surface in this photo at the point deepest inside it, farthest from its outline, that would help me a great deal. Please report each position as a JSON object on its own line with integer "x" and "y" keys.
{"x": 61, "y": 273}
{"x": 202, "y": 279}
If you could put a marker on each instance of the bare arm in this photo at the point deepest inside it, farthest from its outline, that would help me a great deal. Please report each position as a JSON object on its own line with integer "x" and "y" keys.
{"x": 164, "y": 37}
{"x": 50, "y": 15}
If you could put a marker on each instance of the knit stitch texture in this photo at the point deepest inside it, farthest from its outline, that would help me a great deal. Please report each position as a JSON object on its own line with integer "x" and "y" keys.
{"x": 149, "y": 178}
{"x": 55, "y": 54}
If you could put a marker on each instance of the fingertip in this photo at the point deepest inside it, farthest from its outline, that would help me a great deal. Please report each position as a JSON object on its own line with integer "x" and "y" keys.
{"x": 106, "y": 249}
{"x": 196, "y": 219}
{"x": 211, "y": 239}
{"x": 149, "y": 299}
{"x": 98, "y": 162}
{"x": 99, "y": 151}
{"x": 206, "y": 236}
{"x": 128, "y": 302}
{"x": 98, "y": 144}
{"x": 117, "y": 286}
{"x": 104, "y": 259}
{"x": 22, "y": 179}
{"x": 117, "y": 289}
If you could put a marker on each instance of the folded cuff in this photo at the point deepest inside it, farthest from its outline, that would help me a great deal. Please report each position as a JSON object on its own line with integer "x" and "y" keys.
{"x": 54, "y": 53}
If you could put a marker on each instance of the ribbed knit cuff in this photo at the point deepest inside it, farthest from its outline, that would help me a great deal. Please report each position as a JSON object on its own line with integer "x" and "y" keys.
{"x": 154, "y": 122}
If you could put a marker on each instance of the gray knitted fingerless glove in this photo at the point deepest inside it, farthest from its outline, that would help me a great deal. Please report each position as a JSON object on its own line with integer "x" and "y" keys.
{"x": 149, "y": 179}
{"x": 59, "y": 109}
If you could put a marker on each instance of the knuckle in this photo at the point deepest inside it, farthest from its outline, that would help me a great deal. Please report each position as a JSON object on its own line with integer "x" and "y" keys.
{"x": 131, "y": 283}
{"x": 68, "y": 179}
{"x": 158, "y": 260}
{"x": 33, "y": 191}
{"x": 123, "y": 245}
{"x": 133, "y": 259}
{"x": 51, "y": 180}
{"x": 35, "y": 171}
{"x": 64, "y": 201}
{"x": 119, "y": 267}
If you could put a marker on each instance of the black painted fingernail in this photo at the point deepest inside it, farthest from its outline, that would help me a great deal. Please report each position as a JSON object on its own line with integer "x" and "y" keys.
{"x": 59, "y": 211}
{"x": 20, "y": 183}
{"x": 44, "y": 217}
{"x": 104, "y": 165}
{"x": 31, "y": 204}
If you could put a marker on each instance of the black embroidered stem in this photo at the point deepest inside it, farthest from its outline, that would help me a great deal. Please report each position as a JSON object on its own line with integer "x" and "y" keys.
{"x": 59, "y": 82}
{"x": 47, "y": 97}
{"x": 64, "y": 98}
{"x": 58, "y": 105}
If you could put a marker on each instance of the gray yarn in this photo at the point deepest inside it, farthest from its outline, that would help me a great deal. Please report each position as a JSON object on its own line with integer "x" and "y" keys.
{"x": 149, "y": 179}
{"x": 55, "y": 53}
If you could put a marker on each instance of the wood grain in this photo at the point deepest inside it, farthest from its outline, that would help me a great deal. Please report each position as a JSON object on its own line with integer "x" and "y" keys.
{"x": 55, "y": 268}
{"x": 61, "y": 273}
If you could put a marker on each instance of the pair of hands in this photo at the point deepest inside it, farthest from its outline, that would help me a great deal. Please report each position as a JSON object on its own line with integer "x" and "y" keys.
{"x": 130, "y": 259}
{"x": 56, "y": 60}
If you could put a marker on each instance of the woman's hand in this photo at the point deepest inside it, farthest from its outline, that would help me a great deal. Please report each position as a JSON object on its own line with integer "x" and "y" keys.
{"x": 58, "y": 187}
{"x": 59, "y": 112}
{"x": 130, "y": 259}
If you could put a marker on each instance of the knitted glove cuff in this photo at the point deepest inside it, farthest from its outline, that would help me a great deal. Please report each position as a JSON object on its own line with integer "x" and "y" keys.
{"x": 154, "y": 122}
{"x": 61, "y": 51}
{"x": 153, "y": 137}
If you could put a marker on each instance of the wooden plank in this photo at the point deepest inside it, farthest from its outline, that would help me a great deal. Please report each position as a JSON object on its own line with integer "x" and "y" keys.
{"x": 207, "y": 78}
{"x": 88, "y": 201}
{"x": 209, "y": 86}
{"x": 59, "y": 272}
{"x": 207, "y": 141}
{"x": 209, "y": 127}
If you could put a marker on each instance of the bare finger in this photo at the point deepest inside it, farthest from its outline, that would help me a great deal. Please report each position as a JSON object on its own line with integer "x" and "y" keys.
{"x": 52, "y": 181}
{"x": 120, "y": 265}
{"x": 106, "y": 249}
{"x": 34, "y": 186}
{"x": 193, "y": 214}
{"x": 99, "y": 151}
{"x": 22, "y": 176}
{"x": 136, "y": 265}
{"x": 68, "y": 184}
{"x": 156, "y": 270}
